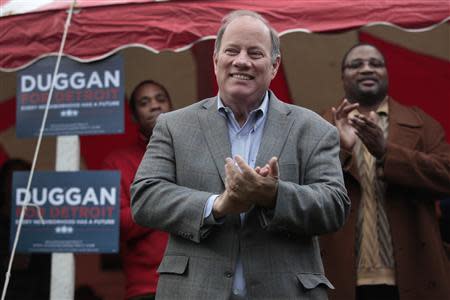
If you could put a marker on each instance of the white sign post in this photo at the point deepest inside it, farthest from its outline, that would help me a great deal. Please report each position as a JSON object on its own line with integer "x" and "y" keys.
{"x": 62, "y": 284}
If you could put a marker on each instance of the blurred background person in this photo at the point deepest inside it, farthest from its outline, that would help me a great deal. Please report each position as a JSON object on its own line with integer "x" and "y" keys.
{"x": 30, "y": 273}
{"x": 141, "y": 248}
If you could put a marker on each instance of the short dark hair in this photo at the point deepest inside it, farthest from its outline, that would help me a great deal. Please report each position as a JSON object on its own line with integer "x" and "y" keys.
{"x": 241, "y": 13}
{"x": 132, "y": 101}
{"x": 344, "y": 58}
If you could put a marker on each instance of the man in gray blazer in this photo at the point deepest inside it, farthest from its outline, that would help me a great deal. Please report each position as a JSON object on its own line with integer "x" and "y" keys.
{"x": 242, "y": 227}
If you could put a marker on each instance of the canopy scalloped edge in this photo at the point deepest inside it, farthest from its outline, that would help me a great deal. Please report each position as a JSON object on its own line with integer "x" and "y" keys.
{"x": 188, "y": 46}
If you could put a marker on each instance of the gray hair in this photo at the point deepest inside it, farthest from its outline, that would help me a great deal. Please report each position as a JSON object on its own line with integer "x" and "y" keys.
{"x": 241, "y": 13}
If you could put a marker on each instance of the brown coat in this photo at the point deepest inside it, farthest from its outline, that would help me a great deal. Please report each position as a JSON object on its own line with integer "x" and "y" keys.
{"x": 417, "y": 171}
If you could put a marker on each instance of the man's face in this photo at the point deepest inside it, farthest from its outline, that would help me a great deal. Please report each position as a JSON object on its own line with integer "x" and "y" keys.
{"x": 150, "y": 102}
{"x": 365, "y": 76}
{"x": 243, "y": 64}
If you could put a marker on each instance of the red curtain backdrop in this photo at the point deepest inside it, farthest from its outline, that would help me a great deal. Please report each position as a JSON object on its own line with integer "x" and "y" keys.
{"x": 280, "y": 86}
{"x": 416, "y": 79}
{"x": 206, "y": 79}
{"x": 7, "y": 119}
{"x": 7, "y": 113}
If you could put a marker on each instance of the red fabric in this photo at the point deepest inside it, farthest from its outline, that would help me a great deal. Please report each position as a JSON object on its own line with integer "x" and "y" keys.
{"x": 206, "y": 79}
{"x": 141, "y": 248}
{"x": 417, "y": 79}
{"x": 7, "y": 119}
{"x": 97, "y": 31}
{"x": 3, "y": 156}
{"x": 58, "y": 4}
{"x": 8, "y": 113}
{"x": 280, "y": 86}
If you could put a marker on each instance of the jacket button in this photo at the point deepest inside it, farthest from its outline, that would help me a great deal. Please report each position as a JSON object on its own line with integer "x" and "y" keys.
{"x": 228, "y": 274}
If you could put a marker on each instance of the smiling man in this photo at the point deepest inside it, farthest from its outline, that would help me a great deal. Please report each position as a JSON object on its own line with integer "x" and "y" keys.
{"x": 396, "y": 162}
{"x": 242, "y": 182}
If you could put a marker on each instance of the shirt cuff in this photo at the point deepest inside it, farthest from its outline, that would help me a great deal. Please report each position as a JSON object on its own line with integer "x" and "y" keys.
{"x": 207, "y": 212}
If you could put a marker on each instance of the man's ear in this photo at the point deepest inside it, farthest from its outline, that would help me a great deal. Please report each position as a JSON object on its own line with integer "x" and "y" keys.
{"x": 215, "y": 58}
{"x": 275, "y": 66}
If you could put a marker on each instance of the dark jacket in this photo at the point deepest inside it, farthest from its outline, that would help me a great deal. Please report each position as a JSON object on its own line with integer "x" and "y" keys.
{"x": 417, "y": 172}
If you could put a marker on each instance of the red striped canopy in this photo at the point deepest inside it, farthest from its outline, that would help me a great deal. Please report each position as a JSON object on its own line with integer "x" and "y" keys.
{"x": 100, "y": 28}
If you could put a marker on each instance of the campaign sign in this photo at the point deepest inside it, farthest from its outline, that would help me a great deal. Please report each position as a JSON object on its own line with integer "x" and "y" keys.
{"x": 88, "y": 98}
{"x": 80, "y": 211}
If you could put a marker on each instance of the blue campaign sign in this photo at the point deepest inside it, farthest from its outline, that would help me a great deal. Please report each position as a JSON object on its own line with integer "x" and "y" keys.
{"x": 88, "y": 98}
{"x": 80, "y": 211}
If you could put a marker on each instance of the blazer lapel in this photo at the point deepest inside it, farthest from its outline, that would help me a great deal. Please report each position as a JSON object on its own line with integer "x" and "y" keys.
{"x": 276, "y": 131}
{"x": 214, "y": 127}
{"x": 403, "y": 125}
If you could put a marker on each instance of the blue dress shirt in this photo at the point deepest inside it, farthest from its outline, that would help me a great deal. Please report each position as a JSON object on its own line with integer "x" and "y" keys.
{"x": 245, "y": 141}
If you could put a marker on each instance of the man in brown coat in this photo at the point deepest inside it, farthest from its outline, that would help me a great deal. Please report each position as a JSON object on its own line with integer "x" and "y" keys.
{"x": 396, "y": 162}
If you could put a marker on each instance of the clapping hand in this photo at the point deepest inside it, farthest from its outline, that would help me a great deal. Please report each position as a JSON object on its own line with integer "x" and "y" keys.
{"x": 347, "y": 132}
{"x": 370, "y": 133}
{"x": 246, "y": 187}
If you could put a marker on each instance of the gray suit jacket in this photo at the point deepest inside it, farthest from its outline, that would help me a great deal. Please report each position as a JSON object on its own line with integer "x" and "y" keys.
{"x": 184, "y": 165}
